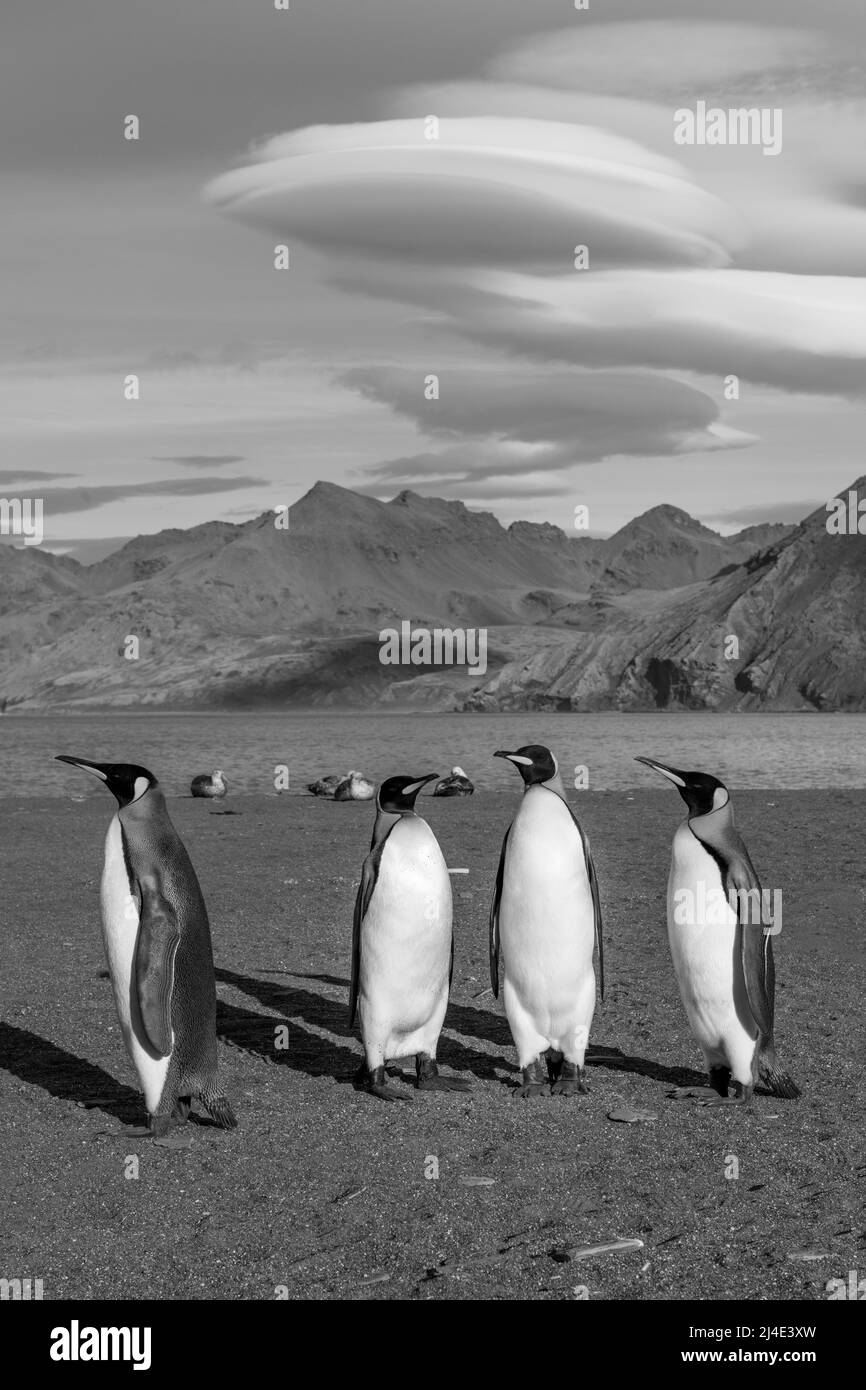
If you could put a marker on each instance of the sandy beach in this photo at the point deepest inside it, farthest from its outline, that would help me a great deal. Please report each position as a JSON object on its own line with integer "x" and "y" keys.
{"x": 322, "y": 1191}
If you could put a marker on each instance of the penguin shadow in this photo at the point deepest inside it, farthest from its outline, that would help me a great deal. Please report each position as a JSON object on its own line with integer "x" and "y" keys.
{"x": 474, "y": 1023}
{"x": 612, "y": 1059}
{"x": 478, "y": 1023}
{"x": 256, "y": 1033}
{"x": 316, "y": 1055}
{"x": 39, "y": 1062}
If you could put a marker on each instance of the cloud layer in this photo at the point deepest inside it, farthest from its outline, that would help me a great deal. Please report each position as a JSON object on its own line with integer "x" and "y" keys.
{"x": 510, "y": 422}
{"x": 709, "y": 265}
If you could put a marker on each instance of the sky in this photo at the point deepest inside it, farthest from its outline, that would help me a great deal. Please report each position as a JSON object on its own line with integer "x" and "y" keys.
{"x": 426, "y": 248}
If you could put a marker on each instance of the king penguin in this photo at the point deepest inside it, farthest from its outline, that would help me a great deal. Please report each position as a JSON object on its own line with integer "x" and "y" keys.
{"x": 546, "y": 920}
{"x": 402, "y": 947}
{"x": 158, "y": 944}
{"x": 722, "y": 953}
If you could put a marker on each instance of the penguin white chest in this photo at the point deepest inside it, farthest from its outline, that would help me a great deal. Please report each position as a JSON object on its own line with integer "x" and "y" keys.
{"x": 120, "y": 919}
{"x": 547, "y": 923}
{"x": 406, "y": 945}
{"x": 704, "y": 936}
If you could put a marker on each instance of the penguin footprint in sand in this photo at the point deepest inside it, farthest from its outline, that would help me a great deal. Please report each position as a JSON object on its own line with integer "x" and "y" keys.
{"x": 545, "y": 921}
{"x": 722, "y": 946}
{"x": 160, "y": 958}
{"x": 402, "y": 949}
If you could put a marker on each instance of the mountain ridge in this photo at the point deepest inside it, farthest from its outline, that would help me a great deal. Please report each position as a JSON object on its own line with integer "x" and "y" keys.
{"x": 240, "y": 615}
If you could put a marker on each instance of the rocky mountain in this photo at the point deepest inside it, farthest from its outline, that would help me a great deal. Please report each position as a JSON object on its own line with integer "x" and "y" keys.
{"x": 237, "y": 616}
{"x": 785, "y": 629}
{"x": 665, "y": 548}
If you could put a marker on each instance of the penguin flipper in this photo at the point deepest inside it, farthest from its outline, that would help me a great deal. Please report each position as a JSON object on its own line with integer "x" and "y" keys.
{"x": 759, "y": 970}
{"x": 369, "y": 874}
{"x": 718, "y": 833}
{"x": 596, "y": 903}
{"x": 756, "y": 947}
{"x": 494, "y": 920}
{"x": 596, "y": 899}
{"x": 155, "y": 950}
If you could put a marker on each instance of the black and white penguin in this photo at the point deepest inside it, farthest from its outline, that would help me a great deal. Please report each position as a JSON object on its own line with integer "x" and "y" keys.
{"x": 209, "y": 785}
{"x": 546, "y": 921}
{"x": 402, "y": 947}
{"x": 158, "y": 944}
{"x": 456, "y": 784}
{"x": 722, "y": 949}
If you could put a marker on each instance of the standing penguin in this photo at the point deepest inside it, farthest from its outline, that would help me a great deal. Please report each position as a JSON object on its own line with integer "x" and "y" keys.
{"x": 722, "y": 952}
{"x": 546, "y": 920}
{"x": 158, "y": 943}
{"x": 402, "y": 947}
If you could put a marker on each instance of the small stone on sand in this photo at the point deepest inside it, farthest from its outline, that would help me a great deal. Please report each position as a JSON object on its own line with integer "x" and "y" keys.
{"x": 629, "y": 1116}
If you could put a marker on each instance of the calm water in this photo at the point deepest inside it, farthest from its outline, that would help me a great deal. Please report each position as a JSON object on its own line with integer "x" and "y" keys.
{"x": 762, "y": 750}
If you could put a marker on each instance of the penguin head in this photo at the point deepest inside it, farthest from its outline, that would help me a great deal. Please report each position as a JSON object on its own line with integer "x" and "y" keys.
{"x": 397, "y": 794}
{"x": 128, "y": 782}
{"x": 701, "y": 792}
{"x": 535, "y": 763}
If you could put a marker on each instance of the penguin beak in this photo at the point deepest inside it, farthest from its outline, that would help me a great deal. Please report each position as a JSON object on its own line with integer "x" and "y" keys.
{"x": 96, "y": 768}
{"x": 669, "y": 772}
{"x": 517, "y": 758}
{"x": 415, "y": 787}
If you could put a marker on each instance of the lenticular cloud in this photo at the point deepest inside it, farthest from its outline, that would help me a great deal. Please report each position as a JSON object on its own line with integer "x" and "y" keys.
{"x": 484, "y": 191}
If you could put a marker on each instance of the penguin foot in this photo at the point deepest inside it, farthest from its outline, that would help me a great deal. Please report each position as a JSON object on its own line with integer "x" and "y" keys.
{"x": 534, "y": 1083}
{"x": 175, "y": 1139}
{"x": 429, "y": 1079}
{"x": 692, "y": 1093}
{"x": 570, "y": 1081}
{"x": 374, "y": 1082}
{"x": 742, "y": 1096}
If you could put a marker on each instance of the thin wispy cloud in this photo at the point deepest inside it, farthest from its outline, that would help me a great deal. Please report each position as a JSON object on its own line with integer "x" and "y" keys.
{"x": 59, "y": 501}
{"x": 29, "y": 475}
{"x": 198, "y": 460}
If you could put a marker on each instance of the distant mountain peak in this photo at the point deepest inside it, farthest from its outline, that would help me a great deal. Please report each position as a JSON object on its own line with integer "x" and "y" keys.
{"x": 452, "y": 514}
{"x": 667, "y": 514}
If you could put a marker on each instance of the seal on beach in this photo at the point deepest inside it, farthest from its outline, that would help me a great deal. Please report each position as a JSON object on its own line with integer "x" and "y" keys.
{"x": 402, "y": 945}
{"x": 354, "y": 787}
{"x": 204, "y": 785}
{"x": 325, "y": 786}
{"x": 457, "y": 784}
{"x": 721, "y": 948}
{"x": 546, "y": 920}
{"x": 160, "y": 958}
